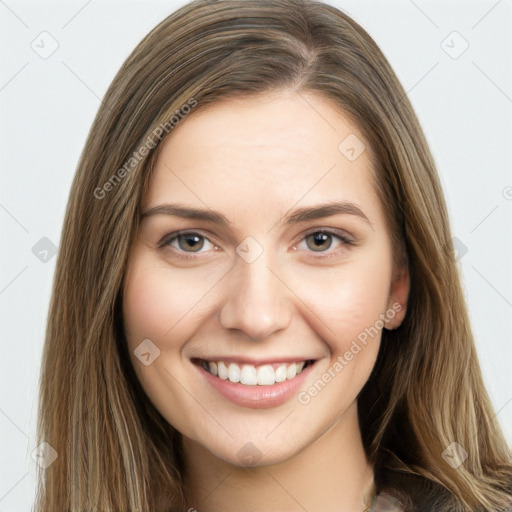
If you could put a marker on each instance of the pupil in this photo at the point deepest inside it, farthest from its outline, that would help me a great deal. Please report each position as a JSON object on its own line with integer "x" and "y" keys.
{"x": 193, "y": 241}
{"x": 320, "y": 239}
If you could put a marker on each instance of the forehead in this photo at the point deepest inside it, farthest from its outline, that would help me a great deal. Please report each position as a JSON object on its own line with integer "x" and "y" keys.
{"x": 264, "y": 154}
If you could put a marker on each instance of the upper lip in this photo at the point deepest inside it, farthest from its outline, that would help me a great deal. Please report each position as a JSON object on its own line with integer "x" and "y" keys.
{"x": 254, "y": 362}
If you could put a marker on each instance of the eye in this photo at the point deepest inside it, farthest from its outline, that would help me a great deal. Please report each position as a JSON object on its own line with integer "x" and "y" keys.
{"x": 321, "y": 241}
{"x": 188, "y": 242}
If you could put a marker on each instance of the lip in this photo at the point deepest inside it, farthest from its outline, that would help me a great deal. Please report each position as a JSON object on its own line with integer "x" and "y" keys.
{"x": 256, "y": 397}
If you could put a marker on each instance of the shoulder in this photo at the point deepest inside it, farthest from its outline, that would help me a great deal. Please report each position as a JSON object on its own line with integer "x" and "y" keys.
{"x": 415, "y": 493}
{"x": 384, "y": 502}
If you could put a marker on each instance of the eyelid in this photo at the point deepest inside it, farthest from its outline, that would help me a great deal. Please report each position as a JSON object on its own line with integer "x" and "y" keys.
{"x": 340, "y": 233}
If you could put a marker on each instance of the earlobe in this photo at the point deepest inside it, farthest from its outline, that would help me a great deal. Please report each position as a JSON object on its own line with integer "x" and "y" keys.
{"x": 397, "y": 303}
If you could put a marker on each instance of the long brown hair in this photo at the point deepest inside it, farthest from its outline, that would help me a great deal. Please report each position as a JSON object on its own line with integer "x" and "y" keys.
{"x": 115, "y": 451}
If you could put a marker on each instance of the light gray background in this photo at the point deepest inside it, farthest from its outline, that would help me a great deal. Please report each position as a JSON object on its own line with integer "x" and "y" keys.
{"x": 48, "y": 105}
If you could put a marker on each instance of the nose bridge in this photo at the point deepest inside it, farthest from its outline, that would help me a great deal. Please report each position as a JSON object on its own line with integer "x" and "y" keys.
{"x": 256, "y": 301}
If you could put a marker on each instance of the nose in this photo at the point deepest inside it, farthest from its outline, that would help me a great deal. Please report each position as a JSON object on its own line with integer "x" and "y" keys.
{"x": 257, "y": 300}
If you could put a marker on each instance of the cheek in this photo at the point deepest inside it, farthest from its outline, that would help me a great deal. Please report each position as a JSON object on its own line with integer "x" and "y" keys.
{"x": 161, "y": 305}
{"x": 146, "y": 307}
{"x": 345, "y": 309}
{"x": 345, "y": 301}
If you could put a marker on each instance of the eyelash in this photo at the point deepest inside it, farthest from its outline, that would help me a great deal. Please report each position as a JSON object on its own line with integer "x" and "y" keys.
{"x": 166, "y": 241}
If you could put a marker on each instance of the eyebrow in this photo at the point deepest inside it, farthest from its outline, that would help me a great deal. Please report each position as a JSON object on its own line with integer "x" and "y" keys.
{"x": 298, "y": 215}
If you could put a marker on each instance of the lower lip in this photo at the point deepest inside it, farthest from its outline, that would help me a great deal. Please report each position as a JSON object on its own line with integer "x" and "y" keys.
{"x": 257, "y": 397}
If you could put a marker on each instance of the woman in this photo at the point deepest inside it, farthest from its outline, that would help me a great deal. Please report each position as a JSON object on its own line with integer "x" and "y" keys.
{"x": 256, "y": 304}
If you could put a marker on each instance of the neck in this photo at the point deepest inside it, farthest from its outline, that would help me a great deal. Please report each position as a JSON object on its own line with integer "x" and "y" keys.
{"x": 330, "y": 474}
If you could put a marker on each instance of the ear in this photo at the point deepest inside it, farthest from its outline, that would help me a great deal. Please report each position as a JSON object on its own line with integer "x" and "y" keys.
{"x": 398, "y": 295}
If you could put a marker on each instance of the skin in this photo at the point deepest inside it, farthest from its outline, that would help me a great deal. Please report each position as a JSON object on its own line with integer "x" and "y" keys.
{"x": 254, "y": 159}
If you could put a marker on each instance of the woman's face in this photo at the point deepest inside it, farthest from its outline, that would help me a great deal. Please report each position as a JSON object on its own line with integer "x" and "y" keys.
{"x": 261, "y": 277}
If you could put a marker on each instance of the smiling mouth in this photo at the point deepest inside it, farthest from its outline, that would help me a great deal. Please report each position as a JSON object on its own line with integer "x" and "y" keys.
{"x": 251, "y": 375}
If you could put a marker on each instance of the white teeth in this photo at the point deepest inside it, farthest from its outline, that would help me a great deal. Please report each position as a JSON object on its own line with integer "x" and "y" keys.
{"x": 264, "y": 375}
{"x": 222, "y": 369}
{"x": 280, "y": 373}
{"x": 234, "y": 373}
{"x": 248, "y": 375}
{"x": 291, "y": 371}
{"x": 213, "y": 368}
